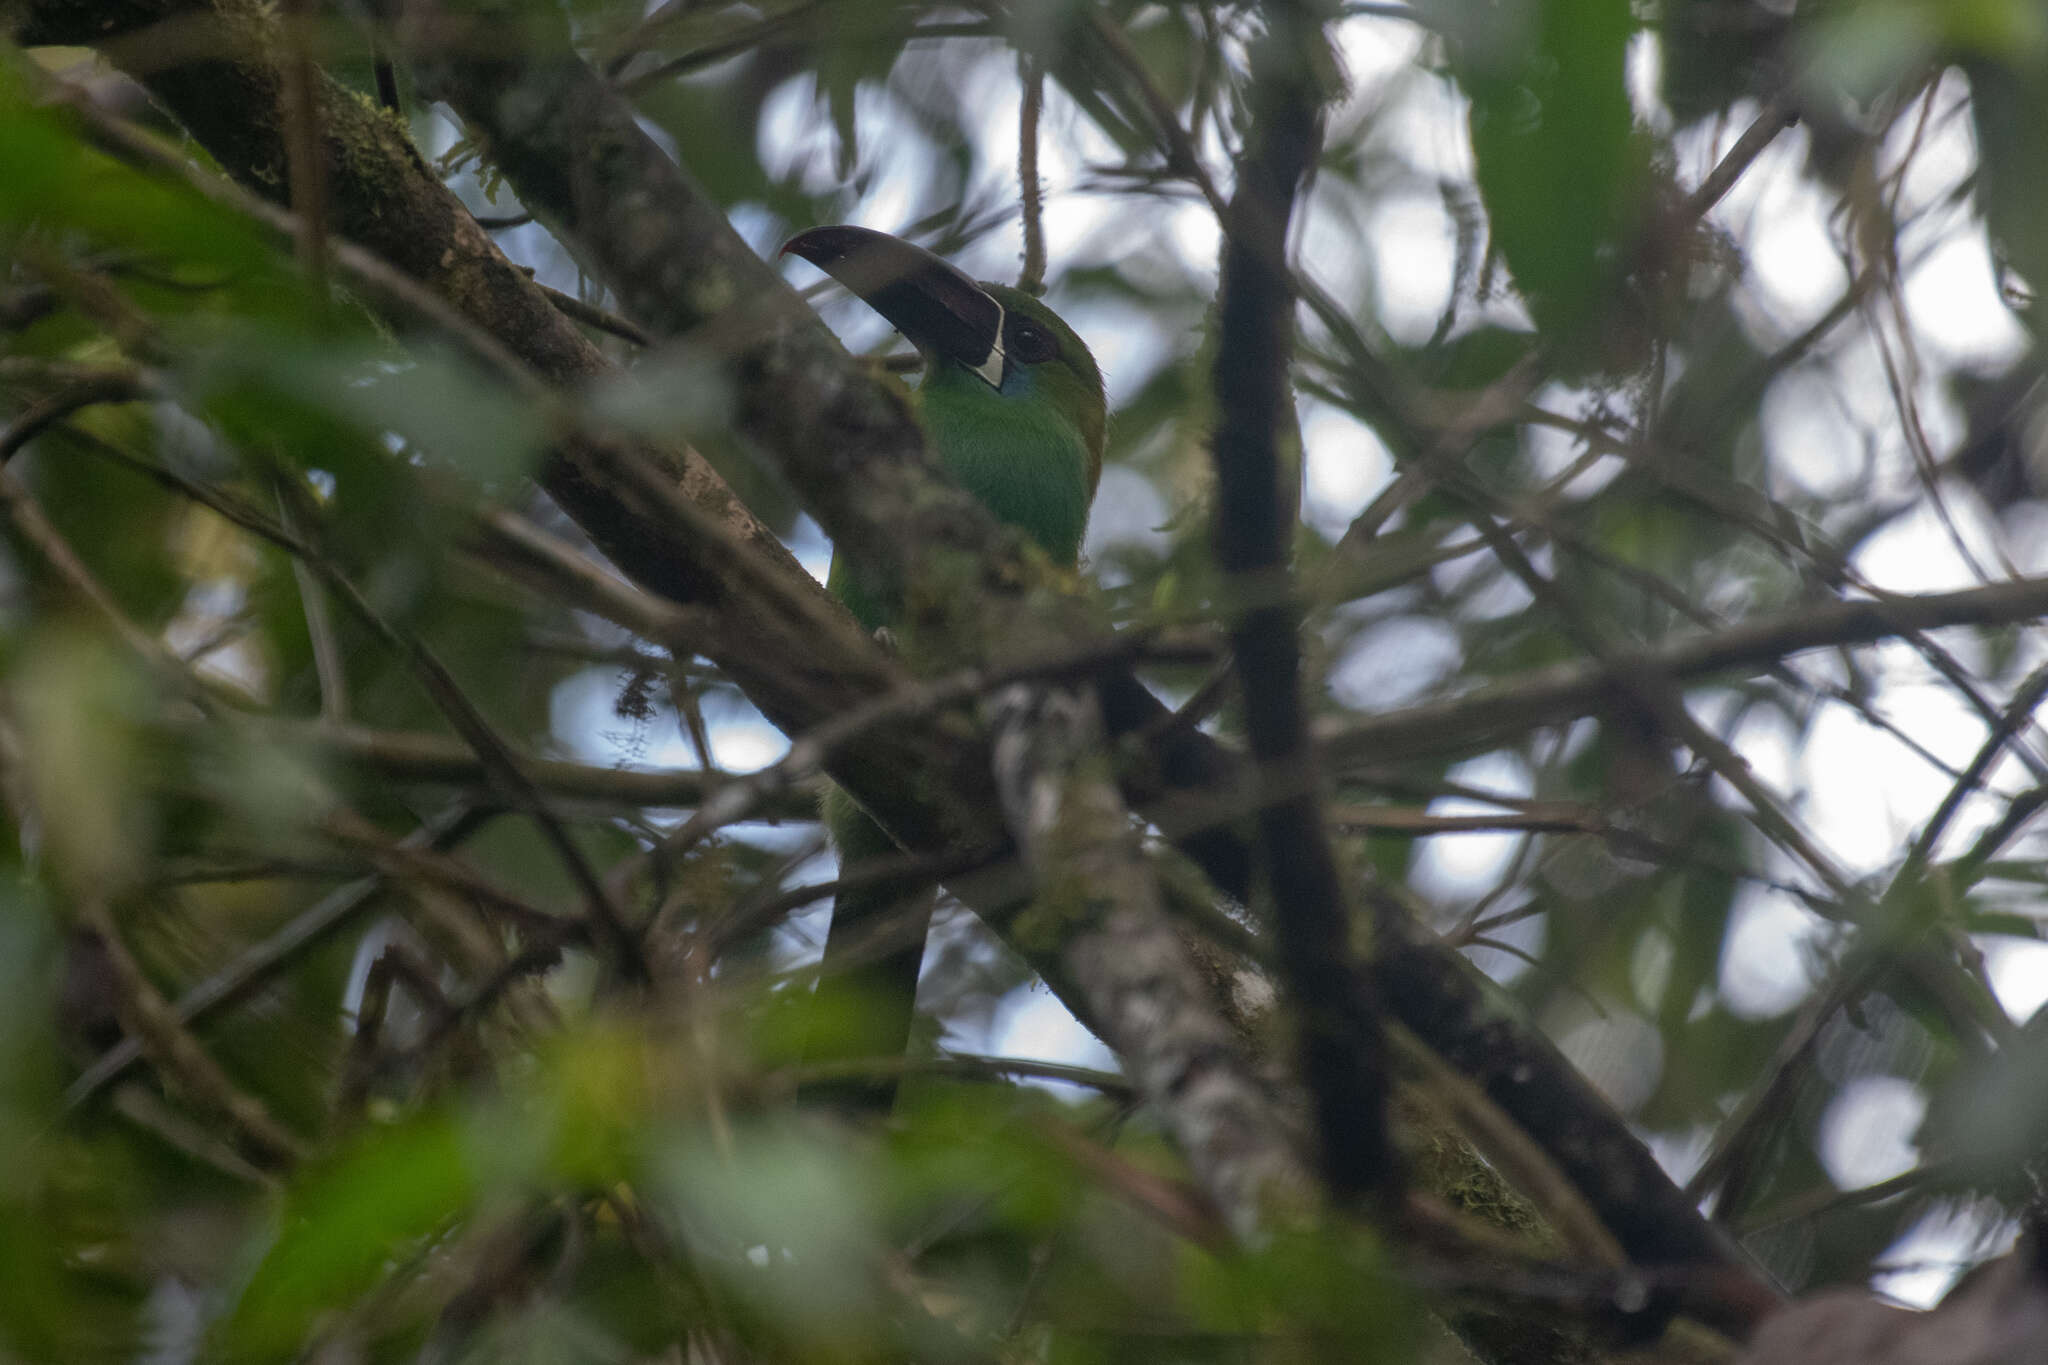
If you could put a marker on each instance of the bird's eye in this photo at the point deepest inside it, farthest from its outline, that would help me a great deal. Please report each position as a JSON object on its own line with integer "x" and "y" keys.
{"x": 1030, "y": 343}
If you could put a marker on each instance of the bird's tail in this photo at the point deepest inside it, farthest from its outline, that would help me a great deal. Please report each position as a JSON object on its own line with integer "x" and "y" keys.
{"x": 867, "y": 983}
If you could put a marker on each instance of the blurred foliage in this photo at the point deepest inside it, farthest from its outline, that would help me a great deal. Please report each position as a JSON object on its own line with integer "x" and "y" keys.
{"x": 253, "y": 493}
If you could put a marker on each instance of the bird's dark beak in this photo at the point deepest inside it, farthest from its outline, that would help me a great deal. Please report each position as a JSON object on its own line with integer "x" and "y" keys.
{"x": 935, "y": 305}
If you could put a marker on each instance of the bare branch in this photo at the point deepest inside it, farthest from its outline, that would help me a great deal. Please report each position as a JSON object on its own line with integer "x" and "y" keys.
{"x": 256, "y": 964}
{"x": 1490, "y": 715}
{"x": 1340, "y": 1052}
{"x": 1031, "y": 190}
{"x": 161, "y": 1035}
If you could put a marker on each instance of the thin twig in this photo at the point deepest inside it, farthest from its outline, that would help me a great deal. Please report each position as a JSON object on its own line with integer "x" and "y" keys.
{"x": 1546, "y": 818}
{"x": 1777, "y": 114}
{"x": 538, "y": 956}
{"x": 506, "y": 773}
{"x": 752, "y": 36}
{"x": 35, "y": 527}
{"x": 399, "y": 861}
{"x": 256, "y": 964}
{"x": 1659, "y": 698}
{"x": 517, "y": 547}
{"x": 1182, "y": 159}
{"x": 147, "y": 1109}
{"x": 328, "y": 666}
{"x": 1031, "y": 192}
{"x": 388, "y": 286}
{"x": 2018, "y": 713}
{"x": 2018, "y": 811}
{"x": 1549, "y": 696}
{"x": 498, "y": 761}
{"x": 412, "y": 756}
{"x": 959, "y": 1066}
{"x": 902, "y": 873}
{"x": 159, "y": 1033}
{"x": 591, "y": 315}
{"x": 1813, "y": 1204}
{"x": 304, "y": 141}
{"x": 1768, "y": 1102}
{"x": 117, "y": 385}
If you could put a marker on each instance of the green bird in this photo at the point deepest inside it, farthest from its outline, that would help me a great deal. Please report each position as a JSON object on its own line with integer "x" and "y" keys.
{"x": 1012, "y": 404}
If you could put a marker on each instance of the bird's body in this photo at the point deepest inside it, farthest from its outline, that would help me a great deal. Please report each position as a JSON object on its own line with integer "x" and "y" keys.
{"x": 1030, "y": 450}
{"x": 1012, "y": 405}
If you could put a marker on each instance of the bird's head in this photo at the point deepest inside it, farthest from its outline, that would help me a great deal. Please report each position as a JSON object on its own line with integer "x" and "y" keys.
{"x": 1002, "y": 337}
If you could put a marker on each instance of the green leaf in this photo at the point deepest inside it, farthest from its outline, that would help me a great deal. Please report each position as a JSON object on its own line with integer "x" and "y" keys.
{"x": 2008, "y": 108}
{"x": 52, "y": 181}
{"x": 1552, "y": 135}
{"x": 79, "y": 701}
{"x": 786, "y": 1222}
{"x": 427, "y": 397}
{"x": 344, "y": 1224}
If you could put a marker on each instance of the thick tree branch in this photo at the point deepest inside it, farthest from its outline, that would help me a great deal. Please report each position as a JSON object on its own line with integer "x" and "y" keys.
{"x": 574, "y": 151}
{"x": 1340, "y": 1050}
{"x": 1098, "y": 893}
{"x": 1443, "y": 998}
{"x": 661, "y": 514}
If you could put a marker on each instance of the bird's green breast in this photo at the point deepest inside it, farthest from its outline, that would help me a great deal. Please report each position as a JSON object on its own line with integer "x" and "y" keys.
{"x": 1016, "y": 449}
